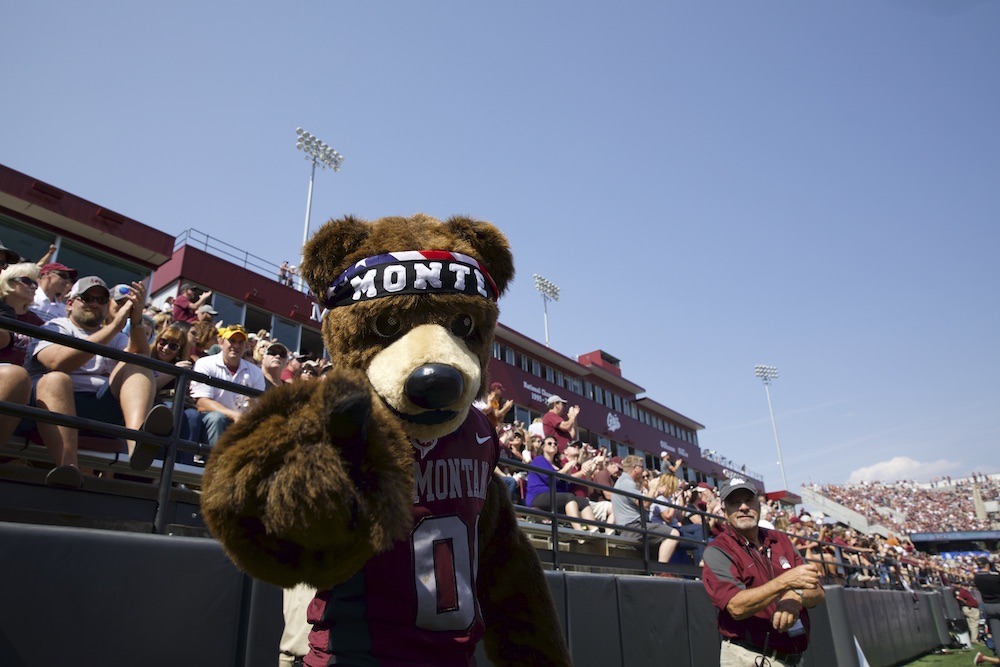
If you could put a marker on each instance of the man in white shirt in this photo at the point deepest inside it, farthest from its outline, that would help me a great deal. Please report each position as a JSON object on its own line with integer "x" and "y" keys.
{"x": 73, "y": 382}
{"x": 220, "y": 407}
{"x": 54, "y": 282}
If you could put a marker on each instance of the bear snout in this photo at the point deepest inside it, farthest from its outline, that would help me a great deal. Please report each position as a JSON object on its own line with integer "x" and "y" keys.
{"x": 434, "y": 386}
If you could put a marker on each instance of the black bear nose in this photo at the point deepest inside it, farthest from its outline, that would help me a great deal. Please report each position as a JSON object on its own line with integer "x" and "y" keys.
{"x": 434, "y": 386}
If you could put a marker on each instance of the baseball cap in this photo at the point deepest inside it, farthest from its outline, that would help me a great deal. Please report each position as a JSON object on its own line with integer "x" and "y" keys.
{"x": 735, "y": 484}
{"x": 275, "y": 345}
{"x": 555, "y": 398}
{"x": 805, "y": 518}
{"x": 11, "y": 256}
{"x": 120, "y": 291}
{"x": 56, "y": 266}
{"x": 85, "y": 283}
{"x": 191, "y": 286}
{"x": 233, "y": 330}
{"x": 616, "y": 460}
{"x": 495, "y": 386}
{"x": 208, "y": 309}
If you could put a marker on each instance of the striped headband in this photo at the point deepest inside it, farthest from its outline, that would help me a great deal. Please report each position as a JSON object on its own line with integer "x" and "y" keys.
{"x": 411, "y": 272}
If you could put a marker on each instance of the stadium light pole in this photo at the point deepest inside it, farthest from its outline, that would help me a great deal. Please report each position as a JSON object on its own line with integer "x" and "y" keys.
{"x": 768, "y": 373}
{"x": 325, "y": 157}
{"x": 550, "y": 292}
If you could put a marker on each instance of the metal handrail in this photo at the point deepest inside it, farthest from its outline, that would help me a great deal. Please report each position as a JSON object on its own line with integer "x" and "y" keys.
{"x": 172, "y": 443}
{"x": 642, "y": 533}
{"x": 239, "y": 257}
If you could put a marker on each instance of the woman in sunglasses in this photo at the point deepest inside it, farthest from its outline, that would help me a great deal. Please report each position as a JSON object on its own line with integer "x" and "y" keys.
{"x": 18, "y": 283}
{"x": 539, "y": 494}
{"x": 171, "y": 346}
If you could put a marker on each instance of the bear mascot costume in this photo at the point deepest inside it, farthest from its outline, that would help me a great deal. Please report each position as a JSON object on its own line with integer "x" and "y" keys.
{"x": 376, "y": 485}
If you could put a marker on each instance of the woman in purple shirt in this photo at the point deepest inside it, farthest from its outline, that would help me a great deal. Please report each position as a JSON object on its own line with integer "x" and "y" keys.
{"x": 538, "y": 494}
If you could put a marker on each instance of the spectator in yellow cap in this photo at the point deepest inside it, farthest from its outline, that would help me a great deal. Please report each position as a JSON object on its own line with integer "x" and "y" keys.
{"x": 219, "y": 408}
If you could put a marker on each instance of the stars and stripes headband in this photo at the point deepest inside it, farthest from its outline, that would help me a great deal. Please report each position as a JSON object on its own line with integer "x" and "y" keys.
{"x": 411, "y": 272}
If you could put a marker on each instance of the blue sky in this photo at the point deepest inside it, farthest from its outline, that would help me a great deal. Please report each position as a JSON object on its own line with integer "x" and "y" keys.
{"x": 812, "y": 185}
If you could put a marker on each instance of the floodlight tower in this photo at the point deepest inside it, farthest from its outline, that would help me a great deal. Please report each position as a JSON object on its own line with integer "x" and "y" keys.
{"x": 766, "y": 374}
{"x": 550, "y": 292}
{"x": 320, "y": 154}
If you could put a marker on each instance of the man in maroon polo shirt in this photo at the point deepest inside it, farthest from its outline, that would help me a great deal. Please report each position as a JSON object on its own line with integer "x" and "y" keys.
{"x": 187, "y": 303}
{"x": 563, "y": 430}
{"x": 759, "y": 583}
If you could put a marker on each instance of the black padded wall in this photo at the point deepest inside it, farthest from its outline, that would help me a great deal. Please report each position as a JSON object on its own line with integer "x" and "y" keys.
{"x": 653, "y": 622}
{"x": 78, "y": 596}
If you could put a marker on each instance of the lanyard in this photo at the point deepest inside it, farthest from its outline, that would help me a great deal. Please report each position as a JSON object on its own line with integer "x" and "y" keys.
{"x": 756, "y": 555}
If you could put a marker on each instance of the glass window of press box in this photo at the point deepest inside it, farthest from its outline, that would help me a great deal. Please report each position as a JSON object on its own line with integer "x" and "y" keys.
{"x": 32, "y": 243}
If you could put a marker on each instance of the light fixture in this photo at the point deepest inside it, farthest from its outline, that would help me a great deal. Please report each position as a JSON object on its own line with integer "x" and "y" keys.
{"x": 320, "y": 155}
{"x": 767, "y": 374}
{"x": 550, "y": 292}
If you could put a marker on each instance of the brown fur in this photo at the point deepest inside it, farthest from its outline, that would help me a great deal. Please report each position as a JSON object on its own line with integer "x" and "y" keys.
{"x": 318, "y": 476}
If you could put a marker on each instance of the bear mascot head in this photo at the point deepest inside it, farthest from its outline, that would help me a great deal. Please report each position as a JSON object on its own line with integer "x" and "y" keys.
{"x": 376, "y": 484}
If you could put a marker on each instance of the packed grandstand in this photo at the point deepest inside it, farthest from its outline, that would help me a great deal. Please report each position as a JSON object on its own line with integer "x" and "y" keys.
{"x": 901, "y": 510}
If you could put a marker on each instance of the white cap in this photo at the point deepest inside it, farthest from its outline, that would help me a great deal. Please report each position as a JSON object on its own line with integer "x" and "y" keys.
{"x": 554, "y": 398}
{"x": 85, "y": 283}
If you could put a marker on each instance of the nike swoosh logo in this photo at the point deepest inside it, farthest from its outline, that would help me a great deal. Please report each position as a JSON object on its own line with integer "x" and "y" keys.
{"x": 482, "y": 439}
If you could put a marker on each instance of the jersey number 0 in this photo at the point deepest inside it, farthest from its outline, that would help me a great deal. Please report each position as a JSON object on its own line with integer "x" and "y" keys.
{"x": 444, "y": 573}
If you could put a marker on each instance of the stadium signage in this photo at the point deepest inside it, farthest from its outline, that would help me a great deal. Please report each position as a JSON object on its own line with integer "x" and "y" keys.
{"x": 956, "y": 536}
{"x": 537, "y": 393}
{"x": 613, "y": 422}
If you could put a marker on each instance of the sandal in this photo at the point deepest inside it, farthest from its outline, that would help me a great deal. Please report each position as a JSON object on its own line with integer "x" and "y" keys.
{"x": 68, "y": 477}
{"x": 159, "y": 421}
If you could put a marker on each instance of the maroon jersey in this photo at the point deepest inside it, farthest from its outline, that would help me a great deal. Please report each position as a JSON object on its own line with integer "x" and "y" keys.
{"x": 732, "y": 564}
{"x": 417, "y": 604}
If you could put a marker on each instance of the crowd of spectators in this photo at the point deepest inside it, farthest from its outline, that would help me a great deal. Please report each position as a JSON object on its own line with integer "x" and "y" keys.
{"x": 72, "y": 382}
{"x": 670, "y": 508}
{"x": 183, "y": 332}
{"x": 944, "y": 505}
{"x": 674, "y": 509}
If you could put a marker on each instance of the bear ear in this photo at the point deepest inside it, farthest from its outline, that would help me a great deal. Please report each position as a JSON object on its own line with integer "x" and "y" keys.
{"x": 489, "y": 244}
{"x": 324, "y": 255}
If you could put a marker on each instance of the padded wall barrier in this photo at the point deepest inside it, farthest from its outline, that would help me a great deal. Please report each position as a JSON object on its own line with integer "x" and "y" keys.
{"x": 264, "y": 625}
{"x": 892, "y": 626}
{"x": 703, "y": 635}
{"x": 831, "y": 642}
{"x": 82, "y": 596}
{"x": 653, "y": 622}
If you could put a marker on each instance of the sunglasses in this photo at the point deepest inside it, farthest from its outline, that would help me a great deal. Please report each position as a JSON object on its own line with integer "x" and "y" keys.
{"x": 281, "y": 354}
{"x": 169, "y": 345}
{"x": 62, "y": 274}
{"x": 25, "y": 280}
{"x": 103, "y": 299}
{"x": 309, "y": 371}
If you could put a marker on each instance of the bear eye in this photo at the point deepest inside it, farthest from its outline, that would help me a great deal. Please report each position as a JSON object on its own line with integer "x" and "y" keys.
{"x": 463, "y": 325}
{"x": 387, "y": 325}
